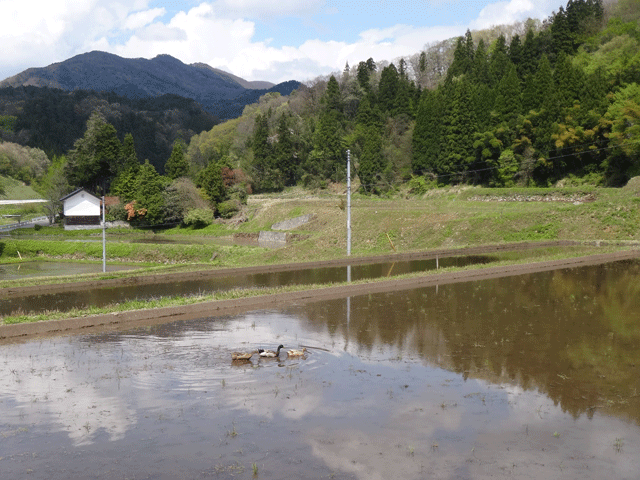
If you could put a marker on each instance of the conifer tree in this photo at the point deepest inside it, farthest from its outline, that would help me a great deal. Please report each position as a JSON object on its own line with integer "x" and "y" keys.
{"x": 480, "y": 69}
{"x": 459, "y": 127}
{"x": 388, "y": 89}
{"x": 508, "y": 102}
{"x": 129, "y": 156}
{"x": 516, "y": 54}
{"x": 177, "y": 165}
{"x": 371, "y": 168}
{"x": 284, "y": 152}
{"x": 498, "y": 60}
{"x": 149, "y": 202}
{"x": 427, "y": 134}
{"x": 530, "y": 55}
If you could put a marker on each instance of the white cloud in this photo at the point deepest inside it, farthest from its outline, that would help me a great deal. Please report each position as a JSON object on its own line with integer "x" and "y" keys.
{"x": 141, "y": 19}
{"x": 508, "y": 12}
{"x": 265, "y": 9}
{"x": 217, "y": 33}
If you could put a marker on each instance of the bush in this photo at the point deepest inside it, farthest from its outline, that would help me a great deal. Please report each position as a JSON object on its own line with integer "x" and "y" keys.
{"x": 198, "y": 218}
{"x": 116, "y": 213}
{"x": 419, "y": 185}
{"x": 229, "y": 208}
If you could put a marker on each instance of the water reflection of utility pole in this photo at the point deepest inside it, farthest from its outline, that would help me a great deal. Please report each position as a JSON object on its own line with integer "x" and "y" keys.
{"x": 348, "y": 309}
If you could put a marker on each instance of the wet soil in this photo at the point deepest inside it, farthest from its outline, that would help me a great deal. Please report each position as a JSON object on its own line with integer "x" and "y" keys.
{"x": 235, "y": 306}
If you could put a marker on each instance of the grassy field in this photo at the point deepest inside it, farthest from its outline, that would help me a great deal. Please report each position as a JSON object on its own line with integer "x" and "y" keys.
{"x": 442, "y": 218}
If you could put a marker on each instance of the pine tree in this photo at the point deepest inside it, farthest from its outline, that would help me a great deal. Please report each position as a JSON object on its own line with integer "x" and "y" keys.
{"x": 129, "y": 156}
{"x": 96, "y": 157}
{"x": 371, "y": 168}
{"x": 210, "y": 178}
{"x": 177, "y": 165}
{"x": 459, "y": 127}
{"x": 284, "y": 152}
{"x": 498, "y": 60}
{"x": 462, "y": 56}
{"x": 508, "y": 102}
{"x": 388, "y": 89}
{"x": 480, "y": 69}
{"x": 149, "y": 202}
{"x": 266, "y": 176}
{"x": 540, "y": 87}
{"x": 530, "y": 57}
{"x": 427, "y": 134}
{"x": 516, "y": 54}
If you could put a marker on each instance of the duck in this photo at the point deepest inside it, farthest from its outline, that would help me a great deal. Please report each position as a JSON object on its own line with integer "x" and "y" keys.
{"x": 270, "y": 353}
{"x": 297, "y": 353}
{"x": 241, "y": 355}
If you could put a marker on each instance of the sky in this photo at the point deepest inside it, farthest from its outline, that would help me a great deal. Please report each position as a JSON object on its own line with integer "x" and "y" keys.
{"x": 267, "y": 40}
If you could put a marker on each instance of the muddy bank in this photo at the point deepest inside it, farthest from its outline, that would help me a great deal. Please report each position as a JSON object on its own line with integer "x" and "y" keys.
{"x": 230, "y": 307}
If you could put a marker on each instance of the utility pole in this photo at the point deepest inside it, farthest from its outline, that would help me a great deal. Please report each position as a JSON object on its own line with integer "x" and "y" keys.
{"x": 348, "y": 202}
{"x": 104, "y": 238}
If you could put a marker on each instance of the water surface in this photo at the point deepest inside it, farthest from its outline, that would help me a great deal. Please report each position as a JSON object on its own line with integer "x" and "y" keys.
{"x": 98, "y": 297}
{"x": 535, "y": 376}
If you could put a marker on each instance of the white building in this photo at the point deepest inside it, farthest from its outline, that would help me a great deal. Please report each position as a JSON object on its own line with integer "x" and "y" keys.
{"x": 82, "y": 210}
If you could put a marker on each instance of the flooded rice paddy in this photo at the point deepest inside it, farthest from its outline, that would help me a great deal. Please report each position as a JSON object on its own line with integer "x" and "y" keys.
{"x": 35, "y": 268}
{"x": 533, "y": 376}
{"x": 99, "y": 297}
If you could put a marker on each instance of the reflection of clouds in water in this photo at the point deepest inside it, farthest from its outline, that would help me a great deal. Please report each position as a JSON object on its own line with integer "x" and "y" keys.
{"x": 538, "y": 438}
{"x": 46, "y": 387}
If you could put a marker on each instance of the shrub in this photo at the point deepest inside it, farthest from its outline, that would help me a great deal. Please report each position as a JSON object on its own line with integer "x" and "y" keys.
{"x": 198, "y": 218}
{"x": 229, "y": 208}
{"x": 115, "y": 213}
{"x": 419, "y": 185}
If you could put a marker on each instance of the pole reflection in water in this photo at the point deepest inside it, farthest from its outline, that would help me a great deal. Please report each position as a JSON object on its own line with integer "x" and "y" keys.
{"x": 523, "y": 377}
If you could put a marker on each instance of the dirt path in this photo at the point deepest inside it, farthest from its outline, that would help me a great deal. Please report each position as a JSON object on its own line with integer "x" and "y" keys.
{"x": 131, "y": 319}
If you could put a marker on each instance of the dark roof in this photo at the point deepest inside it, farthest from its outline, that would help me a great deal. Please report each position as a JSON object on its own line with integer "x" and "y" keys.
{"x": 75, "y": 192}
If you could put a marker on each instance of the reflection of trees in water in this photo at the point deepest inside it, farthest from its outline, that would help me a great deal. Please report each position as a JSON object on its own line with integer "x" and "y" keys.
{"x": 573, "y": 334}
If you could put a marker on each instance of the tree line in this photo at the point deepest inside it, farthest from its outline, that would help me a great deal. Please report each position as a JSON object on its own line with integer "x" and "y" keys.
{"x": 559, "y": 102}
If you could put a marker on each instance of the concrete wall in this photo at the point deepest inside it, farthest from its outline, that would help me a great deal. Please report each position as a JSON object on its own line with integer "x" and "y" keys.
{"x": 293, "y": 223}
{"x": 272, "y": 239}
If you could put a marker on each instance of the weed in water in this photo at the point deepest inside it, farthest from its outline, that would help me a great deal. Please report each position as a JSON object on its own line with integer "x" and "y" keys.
{"x": 255, "y": 469}
{"x": 617, "y": 445}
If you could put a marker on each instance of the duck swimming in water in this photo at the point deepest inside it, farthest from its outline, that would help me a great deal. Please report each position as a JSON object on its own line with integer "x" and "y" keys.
{"x": 270, "y": 353}
{"x": 297, "y": 353}
{"x": 241, "y": 355}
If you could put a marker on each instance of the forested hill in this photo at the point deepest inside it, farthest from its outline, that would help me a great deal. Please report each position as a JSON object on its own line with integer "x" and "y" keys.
{"x": 52, "y": 120}
{"x": 556, "y": 101}
{"x": 138, "y": 78}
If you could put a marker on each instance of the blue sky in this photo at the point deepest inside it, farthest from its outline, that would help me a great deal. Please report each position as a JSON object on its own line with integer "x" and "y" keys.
{"x": 254, "y": 39}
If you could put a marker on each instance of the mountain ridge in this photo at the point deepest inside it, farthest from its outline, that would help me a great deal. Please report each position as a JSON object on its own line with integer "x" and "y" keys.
{"x": 136, "y": 78}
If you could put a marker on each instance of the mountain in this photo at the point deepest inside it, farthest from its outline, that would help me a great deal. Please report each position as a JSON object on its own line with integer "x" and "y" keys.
{"x": 52, "y": 119}
{"x": 138, "y": 78}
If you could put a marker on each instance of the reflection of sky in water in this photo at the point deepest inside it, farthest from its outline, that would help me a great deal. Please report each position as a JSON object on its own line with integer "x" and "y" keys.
{"x": 361, "y": 404}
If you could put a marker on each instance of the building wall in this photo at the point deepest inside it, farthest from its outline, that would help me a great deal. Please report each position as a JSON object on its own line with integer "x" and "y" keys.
{"x": 82, "y": 204}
